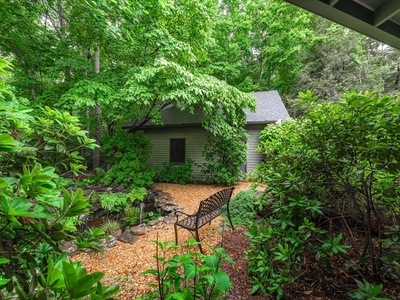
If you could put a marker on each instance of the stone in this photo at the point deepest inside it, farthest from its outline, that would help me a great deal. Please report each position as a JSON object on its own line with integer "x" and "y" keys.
{"x": 154, "y": 222}
{"x": 128, "y": 237}
{"x": 110, "y": 242}
{"x": 169, "y": 219}
{"x": 68, "y": 247}
{"x": 138, "y": 230}
{"x": 117, "y": 233}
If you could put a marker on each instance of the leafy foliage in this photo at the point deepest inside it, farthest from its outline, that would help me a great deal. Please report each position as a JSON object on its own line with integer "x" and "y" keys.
{"x": 191, "y": 275}
{"x": 110, "y": 226}
{"x": 176, "y": 173}
{"x": 224, "y": 157}
{"x": 340, "y": 161}
{"x": 367, "y": 291}
{"x": 278, "y": 243}
{"x": 115, "y": 202}
{"x": 54, "y": 138}
{"x": 35, "y": 216}
{"x": 127, "y": 155}
{"x": 243, "y": 208}
{"x": 132, "y": 214}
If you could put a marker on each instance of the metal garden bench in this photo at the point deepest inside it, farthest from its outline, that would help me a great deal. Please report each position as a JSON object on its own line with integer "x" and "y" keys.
{"x": 209, "y": 209}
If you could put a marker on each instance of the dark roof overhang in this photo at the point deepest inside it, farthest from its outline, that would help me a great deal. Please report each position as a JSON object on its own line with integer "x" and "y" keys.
{"x": 378, "y": 19}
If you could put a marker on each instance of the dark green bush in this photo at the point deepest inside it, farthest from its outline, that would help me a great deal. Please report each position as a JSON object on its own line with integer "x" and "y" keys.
{"x": 224, "y": 157}
{"x": 243, "y": 208}
{"x": 174, "y": 173}
{"x": 127, "y": 155}
{"x": 344, "y": 158}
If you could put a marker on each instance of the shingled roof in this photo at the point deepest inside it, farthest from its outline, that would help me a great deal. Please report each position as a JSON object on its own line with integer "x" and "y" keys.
{"x": 269, "y": 109}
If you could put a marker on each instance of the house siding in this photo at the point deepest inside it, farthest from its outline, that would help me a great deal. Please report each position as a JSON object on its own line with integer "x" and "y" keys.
{"x": 253, "y": 158}
{"x": 195, "y": 137}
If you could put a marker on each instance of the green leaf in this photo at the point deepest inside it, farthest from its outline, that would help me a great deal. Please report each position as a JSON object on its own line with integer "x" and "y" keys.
{"x": 110, "y": 291}
{"x": 26, "y": 179}
{"x": 223, "y": 281}
{"x": 3, "y": 260}
{"x": 3, "y": 184}
{"x": 190, "y": 270}
{"x": 3, "y": 281}
{"x": 70, "y": 275}
{"x": 21, "y": 204}
{"x": 57, "y": 235}
{"x": 211, "y": 261}
{"x": 84, "y": 285}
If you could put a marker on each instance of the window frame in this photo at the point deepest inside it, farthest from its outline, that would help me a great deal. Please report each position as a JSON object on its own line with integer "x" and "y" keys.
{"x": 176, "y": 155}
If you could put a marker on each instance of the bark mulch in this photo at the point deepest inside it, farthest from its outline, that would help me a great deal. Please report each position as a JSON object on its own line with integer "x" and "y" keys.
{"x": 124, "y": 263}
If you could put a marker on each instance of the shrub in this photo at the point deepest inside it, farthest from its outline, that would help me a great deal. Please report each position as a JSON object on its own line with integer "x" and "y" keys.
{"x": 277, "y": 244}
{"x": 224, "y": 156}
{"x": 127, "y": 155}
{"x": 175, "y": 173}
{"x": 344, "y": 158}
{"x": 243, "y": 208}
{"x": 35, "y": 213}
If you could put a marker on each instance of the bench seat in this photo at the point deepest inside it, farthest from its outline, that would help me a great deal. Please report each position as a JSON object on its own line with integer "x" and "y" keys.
{"x": 208, "y": 210}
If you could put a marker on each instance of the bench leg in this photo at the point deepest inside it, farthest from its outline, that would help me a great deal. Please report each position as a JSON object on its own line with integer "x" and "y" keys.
{"x": 198, "y": 240}
{"x": 176, "y": 234}
{"x": 229, "y": 218}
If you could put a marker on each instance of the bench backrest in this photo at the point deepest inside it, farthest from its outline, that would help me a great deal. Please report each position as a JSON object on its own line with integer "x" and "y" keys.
{"x": 214, "y": 202}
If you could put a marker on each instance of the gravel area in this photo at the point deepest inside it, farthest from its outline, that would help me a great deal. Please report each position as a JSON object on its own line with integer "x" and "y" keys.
{"x": 124, "y": 263}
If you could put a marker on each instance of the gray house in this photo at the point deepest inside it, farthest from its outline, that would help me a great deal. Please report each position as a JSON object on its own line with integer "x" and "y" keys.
{"x": 182, "y": 135}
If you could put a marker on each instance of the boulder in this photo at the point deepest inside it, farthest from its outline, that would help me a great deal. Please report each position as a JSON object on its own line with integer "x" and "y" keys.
{"x": 138, "y": 230}
{"x": 128, "y": 237}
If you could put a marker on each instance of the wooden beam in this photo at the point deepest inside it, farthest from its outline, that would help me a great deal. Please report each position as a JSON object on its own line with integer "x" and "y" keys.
{"x": 355, "y": 16}
{"x": 333, "y": 2}
{"x": 385, "y": 11}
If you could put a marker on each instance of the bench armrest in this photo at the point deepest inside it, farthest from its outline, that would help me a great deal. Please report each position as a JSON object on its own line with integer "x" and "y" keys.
{"x": 181, "y": 212}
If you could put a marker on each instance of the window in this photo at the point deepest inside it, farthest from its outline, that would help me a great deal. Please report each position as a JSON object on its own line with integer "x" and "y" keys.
{"x": 177, "y": 150}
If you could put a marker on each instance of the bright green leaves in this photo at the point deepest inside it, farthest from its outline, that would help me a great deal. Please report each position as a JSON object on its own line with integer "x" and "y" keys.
{"x": 34, "y": 217}
{"x": 8, "y": 144}
{"x": 74, "y": 204}
{"x": 86, "y": 93}
{"x": 78, "y": 283}
{"x": 55, "y": 132}
{"x": 190, "y": 275}
{"x": 223, "y": 281}
{"x": 4, "y": 66}
{"x": 165, "y": 82}
{"x": 368, "y": 291}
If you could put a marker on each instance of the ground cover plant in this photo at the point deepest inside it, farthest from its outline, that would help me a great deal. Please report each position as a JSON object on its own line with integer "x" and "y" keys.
{"x": 333, "y": 179}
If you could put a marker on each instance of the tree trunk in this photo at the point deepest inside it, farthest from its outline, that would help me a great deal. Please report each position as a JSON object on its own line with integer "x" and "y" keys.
{"x": 97, "y": 130}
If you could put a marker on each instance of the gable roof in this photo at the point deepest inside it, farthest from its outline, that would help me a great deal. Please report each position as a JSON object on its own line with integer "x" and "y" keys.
{"x": 378, "y": 19}
{"x": 269, "y": 109}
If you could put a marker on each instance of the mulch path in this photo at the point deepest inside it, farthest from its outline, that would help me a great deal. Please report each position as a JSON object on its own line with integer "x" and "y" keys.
{"x": 124, "y": 263}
